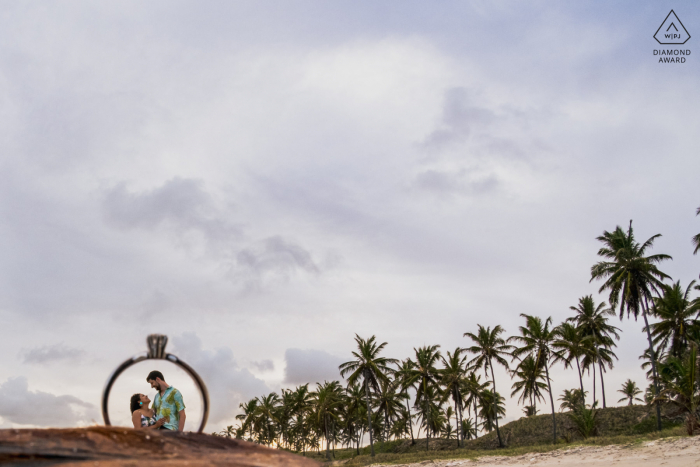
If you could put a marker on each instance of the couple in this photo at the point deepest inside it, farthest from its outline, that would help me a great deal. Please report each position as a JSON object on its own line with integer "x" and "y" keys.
{"x": 168, "y": 412}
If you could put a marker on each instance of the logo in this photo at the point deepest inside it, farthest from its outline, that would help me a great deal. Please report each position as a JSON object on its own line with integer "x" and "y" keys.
{"x": 672, "y": 31}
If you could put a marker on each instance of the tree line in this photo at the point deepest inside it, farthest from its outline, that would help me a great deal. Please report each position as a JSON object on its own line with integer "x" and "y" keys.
{"x": 451, "y": 400}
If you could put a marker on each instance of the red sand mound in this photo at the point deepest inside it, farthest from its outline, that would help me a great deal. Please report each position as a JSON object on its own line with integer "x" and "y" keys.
{"x": 110, "y": 447}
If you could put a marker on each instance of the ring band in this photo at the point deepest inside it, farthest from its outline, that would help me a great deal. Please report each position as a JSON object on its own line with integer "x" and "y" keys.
{"x": 156, "y": 351}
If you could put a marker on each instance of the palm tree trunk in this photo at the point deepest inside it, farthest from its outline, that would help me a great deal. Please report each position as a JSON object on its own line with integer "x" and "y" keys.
{"x": 325, "y": 425}
{"x": 580, "y": 379}
{"x": 369, "y": 416}
{"x": 459, "y": 421}
{"x": 476, "y": 420}
{"x": 602, "y": 382}
{"x": 427, "y": 425}
{"x": 551, "y": 400}
{"x": 594, "y": 399}
{"x": 495, "y": 398}
{"x": 410, "y": 421}
{"x": 653, "y": 364}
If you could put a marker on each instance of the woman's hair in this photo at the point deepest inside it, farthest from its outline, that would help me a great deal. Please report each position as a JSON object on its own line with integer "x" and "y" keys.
{"x": 135, "y": 405}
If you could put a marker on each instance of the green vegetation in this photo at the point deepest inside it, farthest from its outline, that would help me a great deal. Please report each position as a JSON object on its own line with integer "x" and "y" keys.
{"x": 444, "y": 398}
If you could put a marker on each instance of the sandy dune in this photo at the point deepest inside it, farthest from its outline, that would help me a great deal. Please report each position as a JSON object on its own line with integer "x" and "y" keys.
{"x": 677, "y": 452}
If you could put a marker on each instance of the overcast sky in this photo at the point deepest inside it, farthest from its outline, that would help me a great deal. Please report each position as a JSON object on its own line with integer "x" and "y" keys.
{"x": 262, "y": 180}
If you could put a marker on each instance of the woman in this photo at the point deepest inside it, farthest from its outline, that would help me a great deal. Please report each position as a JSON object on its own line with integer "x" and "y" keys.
{"x": 142, "y": 415}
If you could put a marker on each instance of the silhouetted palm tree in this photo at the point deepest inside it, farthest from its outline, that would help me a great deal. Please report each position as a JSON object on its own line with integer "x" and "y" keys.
{"x": 537, "y": 339}
{"x": 472, "y": 389}
{"x": 451, "y": 377}
{"x": 425, "y": 377}
{"x": 369, "y": 366}
{"x": 404, "y": 375}
{"x": 630, "y": 391}
{"x": 489, "y": 346}
{"x": 592, "y": 322}
{"x": 631, "y": 278}
{"x": 571, "y": 346}
{"x": 529, "y": 384}
{"x": 676, "y": 314}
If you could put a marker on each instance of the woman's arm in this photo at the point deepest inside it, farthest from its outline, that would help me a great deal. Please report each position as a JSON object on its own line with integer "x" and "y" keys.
{"x": 136, "y": 418}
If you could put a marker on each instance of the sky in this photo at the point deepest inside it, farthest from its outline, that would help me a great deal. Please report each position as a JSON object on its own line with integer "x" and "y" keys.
{"x": 261, "y": 181}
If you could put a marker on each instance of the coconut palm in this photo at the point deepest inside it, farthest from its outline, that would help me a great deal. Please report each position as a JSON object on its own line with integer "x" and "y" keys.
{"x": 369, "y": 367}
{"x": 425, "y": 377}
{"x": 696, "y": 239}
{"x": 571, "y": 346}
{"x": 390, "y": 402}
{"x": 472, "y": 389}
{"x": 354, "y": 412}
{"x": 630, "y": 391}
{"x": 492, "y": 406}
{"x": 631, "y": 278}
{"x": 489, "y": 346}
{"x": 266, "y": 419}
{"x": 248, "y": 416}
{"x": 404, "y": 374}
{"x": 529, "y": 384}
{"x": 681, "y": 385}
{"x": 327, "y": 400}
{"x": 591, "y": 321}
{"x": 537, "y": 339}
{"x": 571, "y": 399}
{"x": 468, "y": 429}
{"x": 675, "y": 312}
{"x": 451, "y": 377}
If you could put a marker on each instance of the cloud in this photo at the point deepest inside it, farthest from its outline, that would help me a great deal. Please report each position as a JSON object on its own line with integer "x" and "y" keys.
{"x": 270, "y": 260}
{"x": 463, "y": 181}
{"x": 181, "y": 204}
{"x": 24, "y": 407}
{"x": 459, "y": 118}
{"x": 51, "y": 354}
{"x": 264, "y": 365}
{"x": 310, "y": 366}
{"x": 228, "y": 384}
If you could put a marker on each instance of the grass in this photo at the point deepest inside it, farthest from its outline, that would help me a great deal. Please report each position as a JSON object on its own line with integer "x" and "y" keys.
{"x": 617, "y": 425}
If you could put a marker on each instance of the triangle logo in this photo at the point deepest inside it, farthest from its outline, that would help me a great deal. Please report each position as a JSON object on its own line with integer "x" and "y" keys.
{"x": 672, "y": 31}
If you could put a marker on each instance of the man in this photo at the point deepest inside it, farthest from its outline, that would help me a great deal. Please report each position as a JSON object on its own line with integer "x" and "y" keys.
{"x": 168, "y": 402}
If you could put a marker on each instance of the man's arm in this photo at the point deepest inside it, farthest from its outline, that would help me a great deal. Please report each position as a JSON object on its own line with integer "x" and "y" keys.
{"x": 183, "y": 416}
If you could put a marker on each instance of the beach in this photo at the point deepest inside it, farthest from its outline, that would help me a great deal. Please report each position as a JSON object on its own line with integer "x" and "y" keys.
{"x": 676, "y": 452}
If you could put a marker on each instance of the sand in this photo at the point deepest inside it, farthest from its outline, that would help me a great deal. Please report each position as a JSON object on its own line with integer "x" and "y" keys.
{"x": 676, "y": 452}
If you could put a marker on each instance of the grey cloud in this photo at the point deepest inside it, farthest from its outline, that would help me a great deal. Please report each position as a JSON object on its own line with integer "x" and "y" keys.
{"x": 264, "y": 365}
{"x": 310, "y": 366}
{"x": 51, "y": 354}
{"x": 228, "y": 384}
{"x": 460, "y": 182}
{"x": 459, "y": 118}
{"x": 20, "y": 405}
{"x": 180, "y": 203}
{"x": 273, "y": 258}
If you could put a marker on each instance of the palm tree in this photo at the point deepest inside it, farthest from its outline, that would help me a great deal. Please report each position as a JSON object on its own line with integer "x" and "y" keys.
{"x": 529, "y": 384}
{"x": 369, "y": 366}
{"x": 451, "y": 377}
{"x": 537, "y": 339}
{"x": 489, "y": 346}
{"x": 492, "y": 405}
{"x": 632, "y": 278}
{"x": 592, "y": 322}
{"x": 682, "y": 388}
{"x": 425, "y": 377}
{"x": 572, "y": 399}
{"x": 390, "y": 401}
{"x": 404, "y": 375}
{"x": 630, "y": 391}
{"x": 472, "y": 390}
{"x": 327, "y": 400}
{"x": 571, "y": 346}
{"x": 266, "y": 417}
{"x": 354, "y": 407}
{"x": 675, "y": 311}
{"x": 468, "y": 429}
{"x": 248, "y": 416}
{"x": 430, "y": 412}
{"x": 696, "y": 239}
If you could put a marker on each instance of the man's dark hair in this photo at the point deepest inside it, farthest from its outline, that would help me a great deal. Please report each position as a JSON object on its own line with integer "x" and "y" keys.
{"x": 153, "y": 375}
